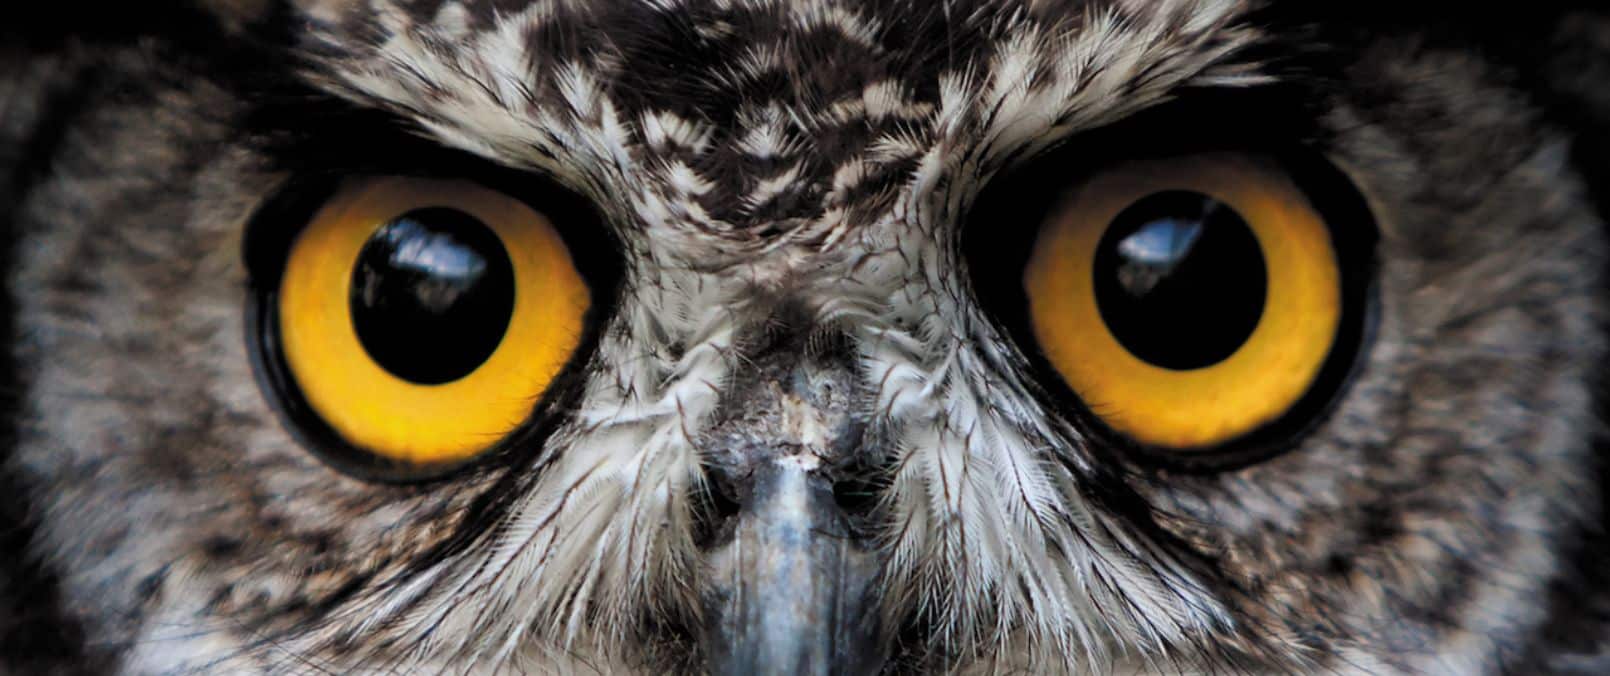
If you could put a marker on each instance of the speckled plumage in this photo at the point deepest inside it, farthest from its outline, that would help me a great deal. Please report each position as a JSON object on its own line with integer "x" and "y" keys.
{"x": 788, "y": 184}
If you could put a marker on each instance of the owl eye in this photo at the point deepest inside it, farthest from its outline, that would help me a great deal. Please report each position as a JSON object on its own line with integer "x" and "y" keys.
{"x": 422, "y": 319}
{"x": 1187, "y": 301}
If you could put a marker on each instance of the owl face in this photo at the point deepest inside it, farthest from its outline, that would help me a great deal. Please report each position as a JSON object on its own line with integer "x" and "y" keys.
{"x": 485, "y": 337}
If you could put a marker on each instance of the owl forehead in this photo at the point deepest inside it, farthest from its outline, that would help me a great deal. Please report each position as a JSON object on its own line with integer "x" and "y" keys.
{"x": 754, "y": 122}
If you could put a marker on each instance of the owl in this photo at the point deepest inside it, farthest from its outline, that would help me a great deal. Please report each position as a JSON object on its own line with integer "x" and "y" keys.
{"x": 804, "y": 337}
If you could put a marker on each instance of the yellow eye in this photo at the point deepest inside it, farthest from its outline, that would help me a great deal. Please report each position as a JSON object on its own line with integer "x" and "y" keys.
{"x": 422, "y": 319}
{"x": 1187, "y": 301}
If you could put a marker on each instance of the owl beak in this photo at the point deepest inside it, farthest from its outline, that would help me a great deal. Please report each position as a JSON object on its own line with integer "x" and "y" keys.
{"x": 793, "y": 590}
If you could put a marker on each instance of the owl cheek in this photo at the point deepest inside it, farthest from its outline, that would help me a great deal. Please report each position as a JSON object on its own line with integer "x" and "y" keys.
{"x": 792, "y": 580}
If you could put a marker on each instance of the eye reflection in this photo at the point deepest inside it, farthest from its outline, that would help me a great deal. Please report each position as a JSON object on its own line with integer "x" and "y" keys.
{"x": 1180, "y": 280}
{"x": 432, "y": 294}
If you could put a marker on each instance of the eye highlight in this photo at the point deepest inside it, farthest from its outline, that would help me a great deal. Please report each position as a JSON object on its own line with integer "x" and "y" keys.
{"x": 1188, "y": 301}
{"x": 422, "y": 319}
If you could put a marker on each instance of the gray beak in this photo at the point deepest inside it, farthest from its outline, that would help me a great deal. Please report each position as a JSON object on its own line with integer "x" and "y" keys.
{"x": 793, "y": 592}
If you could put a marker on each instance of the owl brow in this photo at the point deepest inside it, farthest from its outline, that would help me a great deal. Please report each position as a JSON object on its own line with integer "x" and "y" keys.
{"x": 180, "y": 26}
{"x": 1280, "y": 113}
{"x": 305, "y": 130}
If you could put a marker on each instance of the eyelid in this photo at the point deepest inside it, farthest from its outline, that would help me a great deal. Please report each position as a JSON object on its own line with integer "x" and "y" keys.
{"x": 1003, "y": 225}
{"x": 363, "y": 417}
{"x": 428, "y": 423}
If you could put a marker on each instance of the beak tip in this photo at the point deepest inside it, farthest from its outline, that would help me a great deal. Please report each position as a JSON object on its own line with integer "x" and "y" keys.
{"x": 792, "y": 593}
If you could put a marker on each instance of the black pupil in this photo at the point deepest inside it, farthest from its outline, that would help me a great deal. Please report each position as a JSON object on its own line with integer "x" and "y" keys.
{"x": 1180, "y": 280}
{"x": 432, "y": 294}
